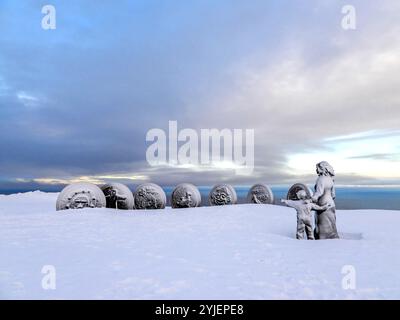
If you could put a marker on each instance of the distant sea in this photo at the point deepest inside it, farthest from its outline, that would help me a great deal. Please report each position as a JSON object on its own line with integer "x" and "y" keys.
{"x": 346, "y": 197}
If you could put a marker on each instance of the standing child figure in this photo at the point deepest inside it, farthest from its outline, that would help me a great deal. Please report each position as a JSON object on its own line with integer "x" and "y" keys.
{"x": 304, "y": 206}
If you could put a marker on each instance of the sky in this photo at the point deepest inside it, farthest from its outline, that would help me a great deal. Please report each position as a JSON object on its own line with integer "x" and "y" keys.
{"x": 77, "y": 102}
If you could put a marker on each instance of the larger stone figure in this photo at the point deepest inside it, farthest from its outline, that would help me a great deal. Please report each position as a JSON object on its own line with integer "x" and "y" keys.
{"x": 324, "y": 194}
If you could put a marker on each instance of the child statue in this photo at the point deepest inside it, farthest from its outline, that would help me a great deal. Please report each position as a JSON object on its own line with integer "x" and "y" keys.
{"x": 304, "y": 206}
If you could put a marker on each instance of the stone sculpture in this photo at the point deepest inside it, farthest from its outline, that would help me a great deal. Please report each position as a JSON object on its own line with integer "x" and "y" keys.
{"x": 303, "y": 206}
{"x": 79, "y": 196}
{"x": 260, "y": 194}
{"x": 118, "y": 196}
{"x": 324, "y": 193}
{"x": 222, "y": 194}
{"x": 185, "y": 195}
{"x": 150, "y": 196}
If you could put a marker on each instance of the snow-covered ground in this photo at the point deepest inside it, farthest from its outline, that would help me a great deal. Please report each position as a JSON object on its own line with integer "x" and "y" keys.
{"x": 231, "y": 252}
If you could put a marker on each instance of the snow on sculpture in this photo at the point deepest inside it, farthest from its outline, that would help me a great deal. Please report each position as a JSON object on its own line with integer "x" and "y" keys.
{"x": 150, "y": 196}
{"x": 222, "y": 194}
{"x": 118, "y": 196}
{"x": 260, "y": 194}
{"x": 303, "y": 206}
{"x": 79, "y": 196}
{"x": 185, "y": 195}
{"x": 325, "y": 194}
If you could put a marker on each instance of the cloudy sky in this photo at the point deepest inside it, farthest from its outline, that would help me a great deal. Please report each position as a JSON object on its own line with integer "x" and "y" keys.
{"x": 77, "y": 102}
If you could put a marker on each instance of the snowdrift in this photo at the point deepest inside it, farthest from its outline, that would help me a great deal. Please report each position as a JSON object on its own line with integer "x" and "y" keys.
{"x": 231, "y": 252}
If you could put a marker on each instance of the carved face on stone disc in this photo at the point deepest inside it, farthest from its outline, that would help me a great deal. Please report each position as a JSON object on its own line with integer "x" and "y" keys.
{"x": 150, "y": 196}
{"x": 292, "y": 193}
{"x": 118, "y": 196}
{"x": 261, "y": 194}
{"x": 222, "y": 194}
{"x": 185, "y": 195}
{"x": 79, "y": 196}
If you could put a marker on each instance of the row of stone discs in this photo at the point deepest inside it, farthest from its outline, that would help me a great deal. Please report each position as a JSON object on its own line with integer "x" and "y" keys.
{"x": 151, "y": 196}
{"x": 111, "y": 195}
{"x": 187, "y": 195}
{"x": 147, "y": 196}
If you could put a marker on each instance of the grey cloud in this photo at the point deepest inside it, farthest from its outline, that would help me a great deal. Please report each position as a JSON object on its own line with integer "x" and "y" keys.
{"x": 379, "y": 156}
{"x": 104, "y": 80}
